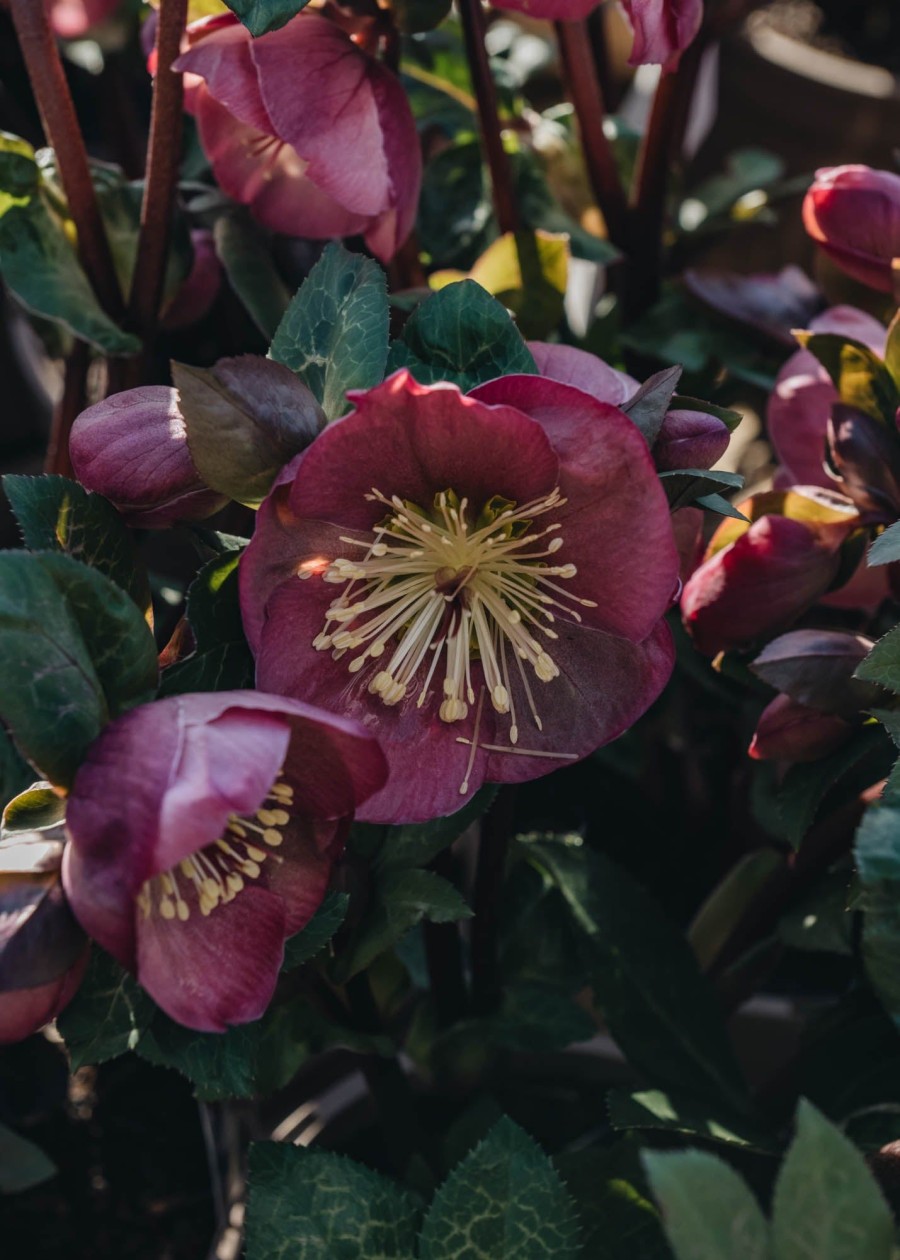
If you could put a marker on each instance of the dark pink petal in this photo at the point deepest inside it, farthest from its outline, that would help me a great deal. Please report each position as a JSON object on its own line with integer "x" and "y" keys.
{"x": 760, "y": 583}
{"x": 403, "y": 153}
{"x": 616, "y": 519}
{"x": 213, "y": 971}
{"x": 867, "y": 589}
{"x": 585, "y": 371}
{"x": 419, "y": 440}
{"x": 687, "y": 526}
{"x": 24, "y": 1011}
{"x": 774, "y": 304}
{"x": 662, "y": 30}
{"x": 223, "y": 59}
{"x": 317, "y": 91}
{"x": 132, "y": 448}
{"x": 551, "y": 10}
{"x": 853, "y": 213}
{"x": 790, "y": 731}
{"x": 301, "y": 878}
{"x": 690, "y": 439}
{"x": 199, "y": 288}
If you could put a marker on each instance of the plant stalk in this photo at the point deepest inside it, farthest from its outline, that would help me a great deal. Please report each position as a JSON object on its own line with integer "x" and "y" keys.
{"x": 496, "y": 831}
{"x": 60, "y": 123}
{"x": 72, "y": 403}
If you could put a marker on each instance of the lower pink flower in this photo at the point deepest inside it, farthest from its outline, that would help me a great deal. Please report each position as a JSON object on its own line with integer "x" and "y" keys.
{"x": 484, "y": 590}
{"x": 203, "y": 830}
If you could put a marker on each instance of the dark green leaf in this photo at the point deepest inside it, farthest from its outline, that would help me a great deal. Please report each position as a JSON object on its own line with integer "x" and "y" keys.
{"x": 859, "y": 376}
{"x": 413, "y": 16}
{"x": 731, "y": 419}
{"x": 107, "y": 1015}
{"x": 39, "y": 263}
{"x": 314, "y": 1205}
{"x": 305, "y": 944}
{"x": 463, "y": 335}
{"x": 74, "y": 651}
{"x": 715, "y": 503}
{"x": 222, "y": 660}
{"x": 505, "y": 1201}
{"x": 334, "y": 334}
{"x": 22, "y": 1163}
{"x": 417, "y": 843}
{"x": 660, "y": 1009}
{"x": 648, "y": 407}
{"x": 826, "y": 1201}
{"x": 260, "y": 16}
{"x": 252, "y": 274}
{"x": 538, "y": 1017}
{"x": 219, "y": 1065}
{"x": 709, "y": 1211}
{"x": 38, "y": 808}
{"x": 806, "y": 786}
{"x": 690, "y": 485}
{"x": 618, "y": 1220}
{"x": 882, "y": 665}
{"x": 19, "y": 176}
{"x": 886, "y": 547}
{"x": 877, "y": 855}
{"x": 56, "y": 514}
{"x": 674, "y": 1113}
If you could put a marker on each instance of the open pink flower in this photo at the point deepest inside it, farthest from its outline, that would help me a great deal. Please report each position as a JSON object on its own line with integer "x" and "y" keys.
{"x": 309, "y": 131}
{"x": 483, "y": 590}
{"x": 203, "y": 830}
{"x": 71, "y": 18}
{"x": 853, "y": 214}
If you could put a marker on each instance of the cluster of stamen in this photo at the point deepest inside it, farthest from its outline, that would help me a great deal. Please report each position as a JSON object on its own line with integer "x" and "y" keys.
{"x": 216, "y": 874}
{"x": 449, "y": 586}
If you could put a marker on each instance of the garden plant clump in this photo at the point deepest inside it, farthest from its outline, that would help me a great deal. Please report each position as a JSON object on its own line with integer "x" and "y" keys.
{"x": 449, "y": 637}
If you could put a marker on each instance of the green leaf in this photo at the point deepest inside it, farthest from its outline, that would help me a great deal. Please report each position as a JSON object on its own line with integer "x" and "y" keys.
{"x": 22, "y": 1163}
{"x": 826, "y": 1202}
{"x": 709, "y": 1211}
{"x": 417, "y": 843}
{"x": 536, "y": 1017}
{"x": 463, "y": 335}
{"x": 690, "y": 485}
{"x": 244, "y": 253}
{"x": 334, "y": 334}
{"x": 723, "y": 909}
{"x": 886, "y": 547}
{"x": 505, "y": 1201}
{"x": 39, "y": 263}
{"x": 314, "y": 1205}
{"x": 882, "y": 665}
{"x": 308, "y": 942}
{"x": 618, "y": 1219}
{"x": 260, "y": 16}
{"x": 877, "y": 853}
{"x": 661, "y": 1011}
{"x": 715, "y": 503}
{"x": 19, "y": 175}
{"x": 859, "y": 376}
{"x": 107, "y": 1015}
{"x": 678, "y": 1113}
{"x": 55, "y": 514}
{"x": 400, "y": 899}
{"x": 222, "y": 660}
{"x": 648, "y": 407}
{"x": 38, "y": 808}
{"x": 74, "y": 652}
{"x": 807, "y": 786}
{"x": 219, "y": 1065}
{"x": 731, "y": 419}
{"x": 892, "y": 350}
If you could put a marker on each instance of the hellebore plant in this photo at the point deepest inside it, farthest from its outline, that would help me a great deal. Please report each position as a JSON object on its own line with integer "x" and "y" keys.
{"x": 853, "y": 214}
{"x": 468, "y": 593}
{"x": 215, "y": 844}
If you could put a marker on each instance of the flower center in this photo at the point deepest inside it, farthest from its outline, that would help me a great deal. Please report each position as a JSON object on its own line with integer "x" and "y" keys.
{"x": 215, "y": 875}
{"x": 449, "y": 586}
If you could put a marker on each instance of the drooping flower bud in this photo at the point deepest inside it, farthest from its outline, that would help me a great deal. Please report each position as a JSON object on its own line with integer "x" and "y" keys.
{"x": 866, "y": 456}
{"x": 690, "y": 439}
{"x": 789, "y": 731}
{"x": 853, "y": 213}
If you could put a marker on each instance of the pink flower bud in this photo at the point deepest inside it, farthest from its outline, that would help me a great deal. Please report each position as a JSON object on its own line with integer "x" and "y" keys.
{"x": 199, "y": 288}
{"x": 789, "y": 731}
{"x": 690, "y": 439}
{"x": 853, "y": 213}
{"x": 132, "y": 448}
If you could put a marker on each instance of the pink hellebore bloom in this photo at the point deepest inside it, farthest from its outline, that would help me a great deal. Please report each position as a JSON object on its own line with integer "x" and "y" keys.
{"x": 203, "y": 830}
{"x": 306, "y": 129}
{"x": 484, "y": 591}
{"x": 72, "y": 18}
{"x": 853, "y": 213}
{"x": 132, "y": 448}
{"x": 790, "y": 731}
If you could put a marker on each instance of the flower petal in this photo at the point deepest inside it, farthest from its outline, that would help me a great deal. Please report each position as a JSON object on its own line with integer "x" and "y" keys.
{"x": 585, "y": 371}
{"x": 223, "y": 59}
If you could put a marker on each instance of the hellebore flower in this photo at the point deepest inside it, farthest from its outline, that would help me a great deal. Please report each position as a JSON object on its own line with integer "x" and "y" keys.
{"x": 759, "y": 577}
{"x": 772, "y": 303}
{"x": 790, "y": 731}
{"x": 132, "y": 448}
{"x": 853, "y": 214}
{"x": 483, "y": 591}
{"x": 690, "y": 439}
{"x": 663, "y": 29}
{"x": 800, "y": 404}
{"x": 306, "y": 129}
{"x": 866, "y": 455}
{"x": 43, "y": 951}
{"x": 203, "y": 830}
{"x": 817, "y": 668}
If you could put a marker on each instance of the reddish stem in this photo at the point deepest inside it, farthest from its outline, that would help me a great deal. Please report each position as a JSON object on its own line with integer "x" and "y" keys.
{"x": 72, "y": 403}
{"x": 163, "y": 158}
{"x": 60, "y": 123}
{"x": 587, "y": 96}
{"x": 505, "y": 208}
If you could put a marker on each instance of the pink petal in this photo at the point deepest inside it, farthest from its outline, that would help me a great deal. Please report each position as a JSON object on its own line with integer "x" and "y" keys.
{"x": 420, "y": 440}
{"x": 790, "y": 731}
{"x": 853, "y": 212}
{"x": 404, "y": 160}
{"x": 585, "y": 371}
{"x": 690, "y": 439}
{"x": 24, "y": 1011}
{"x": 662, "y": 30}
{"x": 213, "y": 971}
{"x": 224, "y": 60}
{"x": 616, "y": 521}
{"x": 301, "y": 878}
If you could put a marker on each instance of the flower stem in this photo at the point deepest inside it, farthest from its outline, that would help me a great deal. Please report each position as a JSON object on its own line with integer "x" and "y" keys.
{"x": 505, "y": 209}
{"x": 584, "y": 88}
{"x": 659, "y": 152}
{"x": 60, "y": 123}
{"x": 496, "y": 830}
{"x": 72, "y": 403}
{"x": 163, "y": 158}
{"x": 443, "y": 953}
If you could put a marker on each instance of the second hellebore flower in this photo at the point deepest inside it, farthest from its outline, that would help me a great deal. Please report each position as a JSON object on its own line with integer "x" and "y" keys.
{"x": 483, "y": 590}
{"x": 203, "y": 830}
{"x": 853, "y": 214}
{"x": 306, "y": 129}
